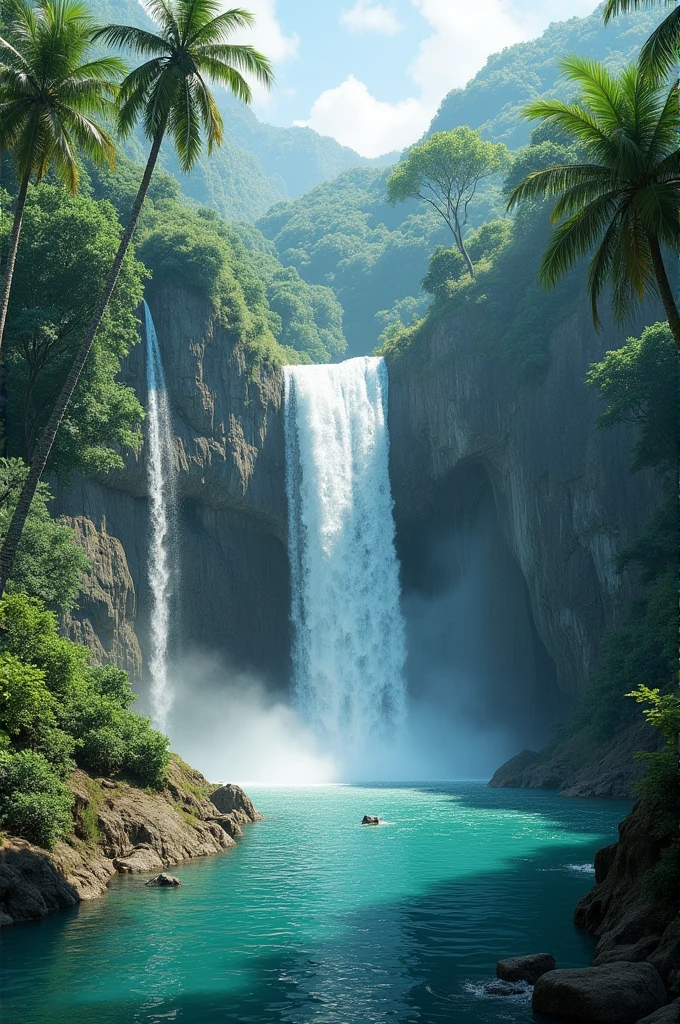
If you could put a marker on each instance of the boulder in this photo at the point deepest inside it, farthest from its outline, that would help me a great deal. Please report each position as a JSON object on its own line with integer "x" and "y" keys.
{"x": 368, "y": 820}
{"x": 525, "y": 968}
{"x": 618, "y": 993}
{"x": 229, "y": 823}
{"x": 232, "y": 800}
{"x": 666, "y": 1015}
{"x": 141, "y": 858}
{"x": 164, "y": 880}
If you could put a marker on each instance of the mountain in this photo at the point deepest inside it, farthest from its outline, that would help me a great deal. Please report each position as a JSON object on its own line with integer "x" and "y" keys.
{"x": 258, "y": 164}
{"x": 493, "y": 100}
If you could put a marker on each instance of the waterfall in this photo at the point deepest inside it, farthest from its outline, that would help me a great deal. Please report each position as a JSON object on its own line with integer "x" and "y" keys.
{"x": 161, "y": 482}
{"x": 348, "y": 633}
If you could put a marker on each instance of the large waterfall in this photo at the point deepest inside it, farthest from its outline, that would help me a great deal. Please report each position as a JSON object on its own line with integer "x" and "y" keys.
{"x": 161, "y": 481}
{"x": 348, "y": 645}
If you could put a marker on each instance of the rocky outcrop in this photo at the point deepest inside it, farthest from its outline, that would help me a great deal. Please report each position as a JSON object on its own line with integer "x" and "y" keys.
{"x": 564, "y": 497}
{"x": 609, "y": 771}
{"x": 615, "y": 994}
{"x": 118, "y": 829}
{"x": 231, "y": 801}
{"x": 525, "y": 968}
{"x": 631, "y": 927}
{"x": 104, "y": 618}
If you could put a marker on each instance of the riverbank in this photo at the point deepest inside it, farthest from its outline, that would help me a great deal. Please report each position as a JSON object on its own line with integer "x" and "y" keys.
{"x": 119, "y": 829}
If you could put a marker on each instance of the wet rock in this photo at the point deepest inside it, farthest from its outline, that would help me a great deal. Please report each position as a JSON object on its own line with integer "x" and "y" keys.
{"x": 618, "y": 993}
{"x": 368, "y": 820}
{"x": 30, "y": 885}
{"x": 525, "y": 968}
{"x": 229, "y": 823}
{"x": 164, "y": 880}
{"x": 231, "y": 799}
{"x": 666, "y": 1015}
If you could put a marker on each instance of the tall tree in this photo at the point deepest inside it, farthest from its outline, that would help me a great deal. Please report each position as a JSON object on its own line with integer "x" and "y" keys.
{"x": 168, "y": 92}
{"x": 49, "y": 94}
{"x": 445, "y": 172}
{"x": 624, "y": 202}
{"x": 661, "y": 53}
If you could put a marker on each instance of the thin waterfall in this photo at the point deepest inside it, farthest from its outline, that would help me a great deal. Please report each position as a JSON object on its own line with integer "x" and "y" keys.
{"x": 348, "y": 632}
{"x": 161, "y": 481}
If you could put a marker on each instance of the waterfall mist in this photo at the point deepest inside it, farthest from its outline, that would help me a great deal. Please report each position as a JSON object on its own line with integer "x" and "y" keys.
{"x": 348, "y": 633}
{"x": 161, "y": 483}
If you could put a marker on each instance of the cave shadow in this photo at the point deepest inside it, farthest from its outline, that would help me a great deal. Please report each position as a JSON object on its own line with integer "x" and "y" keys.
{"x": 418, "y": 960}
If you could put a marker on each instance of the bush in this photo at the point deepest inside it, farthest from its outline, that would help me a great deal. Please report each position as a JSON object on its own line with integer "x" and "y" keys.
{"x": 34, "y": 803}
{"x": 30, "y": 632}
{"x": 25, "y": 701}
{"x": 102, "y": 751}
{"x": 148, "y": 756}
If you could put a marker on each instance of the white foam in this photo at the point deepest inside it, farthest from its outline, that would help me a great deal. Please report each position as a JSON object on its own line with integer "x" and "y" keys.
{"x": 161, "y": 482}
{"x": 348, "y": 642}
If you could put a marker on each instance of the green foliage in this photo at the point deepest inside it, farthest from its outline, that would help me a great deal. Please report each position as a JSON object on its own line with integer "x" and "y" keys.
{"x": 621, "y": 201}
{"x": 639, "y": 383}
{"x": 662, "y": 710}
{"x": 49, "y": 564}
{"x": 34, "y": 803}
{"x": 67, "y": 247}
{"x": 25, "y": 701}
{"x": 659, "y": 55}
{"x": 56, "y": 706}
{"x": 52, "y": 87}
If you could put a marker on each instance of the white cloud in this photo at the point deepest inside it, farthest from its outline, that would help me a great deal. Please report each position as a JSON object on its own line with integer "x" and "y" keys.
{"x": 367, "y": 16}
{"x": 356, "y": 118}
{"x": 463, "y": 34}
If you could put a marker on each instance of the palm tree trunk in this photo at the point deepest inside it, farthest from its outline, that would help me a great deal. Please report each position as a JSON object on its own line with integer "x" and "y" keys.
{"x": 665, "y": 290}
{"x": 44, "y": 447}
{"x": 12, "y": 254}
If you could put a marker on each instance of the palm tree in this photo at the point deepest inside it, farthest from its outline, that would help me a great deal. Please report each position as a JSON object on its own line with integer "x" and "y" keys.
{"x": 661, "y": 53}
{"x": 49, "y": 93}
{"x": 624, "y": 202}
{"x": 169, "y": 93}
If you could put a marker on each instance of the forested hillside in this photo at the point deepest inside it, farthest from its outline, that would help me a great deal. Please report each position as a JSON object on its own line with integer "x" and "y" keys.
{"x": 345, "y": 234}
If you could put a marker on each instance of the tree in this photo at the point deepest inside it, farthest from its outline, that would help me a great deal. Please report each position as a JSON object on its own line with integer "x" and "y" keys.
{"x": 445, "y": 172}
{"x": 661, "y": 53}
{"x": 67, "y": 248}
{"x": 49, "y": 93}
{"x": 169, "y": 93}
{"x": 625, "y": 200}
{"x": 49, "y": 565}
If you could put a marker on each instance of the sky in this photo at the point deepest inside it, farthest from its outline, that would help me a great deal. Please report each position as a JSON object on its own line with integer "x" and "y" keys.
{"x": 371, "y": 73}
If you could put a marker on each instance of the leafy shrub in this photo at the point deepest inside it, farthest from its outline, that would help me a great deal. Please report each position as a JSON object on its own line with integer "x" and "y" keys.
{"x": 102, "y": 751}
{"x": 34, "y": 803}
{"x": 25, "y": 701}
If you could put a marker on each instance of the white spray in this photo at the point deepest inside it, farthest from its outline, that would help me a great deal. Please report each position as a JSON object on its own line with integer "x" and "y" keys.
{"x": 161, "y": 482}
{"x": 348, "y": 644}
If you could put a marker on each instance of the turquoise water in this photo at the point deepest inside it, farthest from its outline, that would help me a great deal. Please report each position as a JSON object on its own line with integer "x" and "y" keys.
{"x": 316, "y": 918}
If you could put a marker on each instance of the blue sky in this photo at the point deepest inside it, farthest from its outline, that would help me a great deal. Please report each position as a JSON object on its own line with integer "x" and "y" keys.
{"x": 371, "y": 73}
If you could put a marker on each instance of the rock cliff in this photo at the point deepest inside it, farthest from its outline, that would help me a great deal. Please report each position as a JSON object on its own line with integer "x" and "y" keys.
{"x": 564, "y": 498}
{"x": 227, "y": 422}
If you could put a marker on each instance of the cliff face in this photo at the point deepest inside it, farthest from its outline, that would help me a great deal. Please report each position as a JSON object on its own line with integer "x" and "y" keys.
{"x": 565, "y": 500}
{"x": 229, "y": 447}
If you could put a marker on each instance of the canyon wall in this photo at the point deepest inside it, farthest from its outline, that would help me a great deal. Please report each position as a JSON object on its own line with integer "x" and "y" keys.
{"x": 564, "y": 499}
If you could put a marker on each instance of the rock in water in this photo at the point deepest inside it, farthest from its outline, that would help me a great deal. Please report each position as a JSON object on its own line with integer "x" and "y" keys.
{"x": 231, "y": 799}
{"x": 164, "y": 880}
{"x": 525, "y": 968}
{"x": 368, "y": 820}
{"x": 612, "y": 994}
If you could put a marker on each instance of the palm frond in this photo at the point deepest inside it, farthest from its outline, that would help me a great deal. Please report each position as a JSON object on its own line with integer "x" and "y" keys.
{"x": 550, "y": 181}
{"x": 659, "y": 55}
{"x": 245, "y": 59}
{"x": 574, "y": 239}
{"x": 599, "y": 91}
{"x": 217, "y": 29}
{"x": 132, "y": 38}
